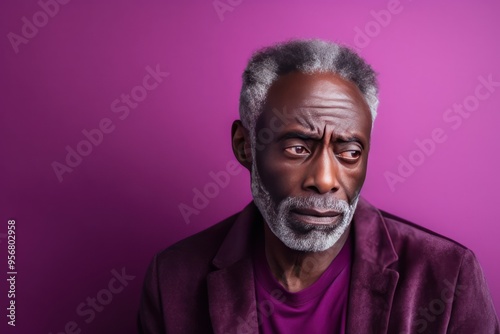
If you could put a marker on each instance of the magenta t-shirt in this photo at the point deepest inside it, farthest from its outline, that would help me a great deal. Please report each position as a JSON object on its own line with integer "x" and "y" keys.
{"x": 320, "y": 308}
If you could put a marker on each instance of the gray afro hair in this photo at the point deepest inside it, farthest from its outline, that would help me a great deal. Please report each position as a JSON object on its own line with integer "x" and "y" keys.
{"x": 306, "y": 56}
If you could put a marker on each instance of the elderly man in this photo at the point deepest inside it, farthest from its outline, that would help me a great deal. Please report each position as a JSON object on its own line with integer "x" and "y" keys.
{"x": 308, "y": 255}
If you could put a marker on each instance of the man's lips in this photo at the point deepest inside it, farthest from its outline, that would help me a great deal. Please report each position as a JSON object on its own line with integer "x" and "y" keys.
{"x": 312, "y": 216}
{"x": 316, "y": 213}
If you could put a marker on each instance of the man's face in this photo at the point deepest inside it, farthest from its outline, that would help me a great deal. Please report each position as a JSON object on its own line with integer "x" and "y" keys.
{"x": 311, "y": 151}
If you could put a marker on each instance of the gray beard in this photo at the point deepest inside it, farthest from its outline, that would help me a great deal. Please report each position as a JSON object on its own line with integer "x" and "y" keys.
{"x": 295, "y": 234}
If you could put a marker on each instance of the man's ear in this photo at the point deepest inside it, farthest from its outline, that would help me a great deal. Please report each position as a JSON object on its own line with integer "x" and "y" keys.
{"x": 241, "y": 144}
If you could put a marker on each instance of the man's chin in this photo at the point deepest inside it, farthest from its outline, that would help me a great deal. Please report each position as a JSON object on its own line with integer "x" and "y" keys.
{"x": 308, "y": 245}
{"x": 307, "y": 237}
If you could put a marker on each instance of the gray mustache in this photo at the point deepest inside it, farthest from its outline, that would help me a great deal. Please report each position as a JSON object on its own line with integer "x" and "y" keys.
{"x": 316, "y": 203}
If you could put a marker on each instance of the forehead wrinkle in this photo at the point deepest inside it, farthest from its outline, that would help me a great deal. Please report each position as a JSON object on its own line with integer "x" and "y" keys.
{"x": 334, "y": 103}
{"x": 319, "y": 121}
{"x": 330, "y": 94}
{"x": 305, "y": 118}
{"x": 313, "y": 115}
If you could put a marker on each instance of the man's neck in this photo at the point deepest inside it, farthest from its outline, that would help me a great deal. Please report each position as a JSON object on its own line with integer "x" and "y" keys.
{"x": 296, "y": 270}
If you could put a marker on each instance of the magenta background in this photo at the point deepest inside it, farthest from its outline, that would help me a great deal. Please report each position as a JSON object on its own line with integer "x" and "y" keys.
{"x": 120, "y": 205}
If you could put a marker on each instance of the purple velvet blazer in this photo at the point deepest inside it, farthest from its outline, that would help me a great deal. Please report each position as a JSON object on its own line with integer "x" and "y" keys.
{"x": 404, "y": 279}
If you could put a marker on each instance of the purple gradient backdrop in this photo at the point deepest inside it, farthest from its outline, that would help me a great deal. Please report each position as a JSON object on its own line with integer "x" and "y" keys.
{"x": 120, "y": 205}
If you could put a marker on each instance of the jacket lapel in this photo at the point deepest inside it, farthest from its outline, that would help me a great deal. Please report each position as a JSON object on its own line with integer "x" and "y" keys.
{"x": 372, "y": 283}
{"x": 232, "y": 304}
{"x": 231, "y": 289}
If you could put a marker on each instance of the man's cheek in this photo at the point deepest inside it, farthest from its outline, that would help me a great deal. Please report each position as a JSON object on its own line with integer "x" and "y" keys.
{"x": 278, "y": 182}
{"x": 354, "y": 182}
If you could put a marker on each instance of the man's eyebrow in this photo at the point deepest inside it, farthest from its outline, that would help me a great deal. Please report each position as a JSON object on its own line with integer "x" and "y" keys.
{"x": 300, "y": 135}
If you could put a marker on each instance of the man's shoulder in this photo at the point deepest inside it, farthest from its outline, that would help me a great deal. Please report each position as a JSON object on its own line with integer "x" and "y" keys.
{"x": 416, "y": 244}
{"x": 408, "y": 232}
{"x": 409, "y": 242}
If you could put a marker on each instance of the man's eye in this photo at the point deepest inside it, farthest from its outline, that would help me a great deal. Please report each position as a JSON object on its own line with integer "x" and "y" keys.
{"x": 297, "y": 150}
{"x": 349, "y": 156}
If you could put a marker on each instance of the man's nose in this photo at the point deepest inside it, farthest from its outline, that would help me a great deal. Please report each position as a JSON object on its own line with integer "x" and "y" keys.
{"x": 323, "y": 173}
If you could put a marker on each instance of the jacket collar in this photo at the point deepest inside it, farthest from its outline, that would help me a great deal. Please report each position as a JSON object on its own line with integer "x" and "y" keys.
{"x": 373, "y": 242}
{"x": 240, "y": 238}
{"x": 373, "y": 282}
{"x": 231, "y": 288}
